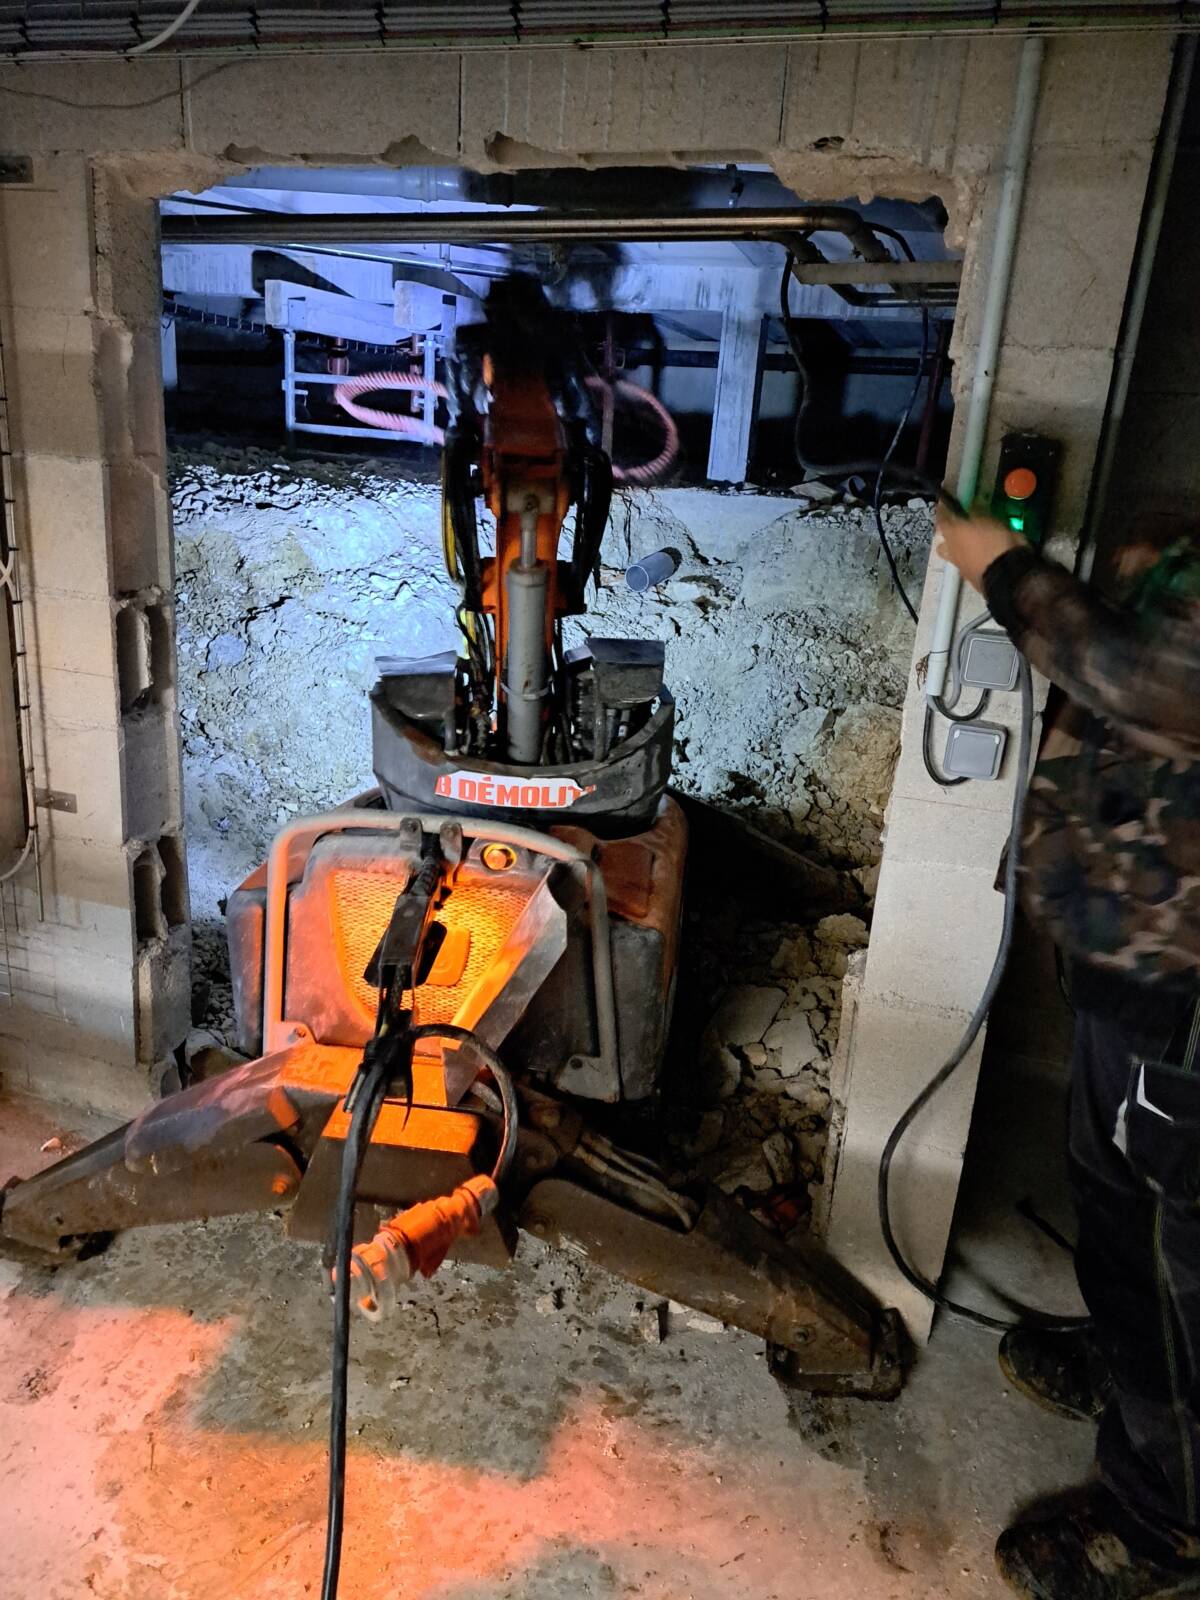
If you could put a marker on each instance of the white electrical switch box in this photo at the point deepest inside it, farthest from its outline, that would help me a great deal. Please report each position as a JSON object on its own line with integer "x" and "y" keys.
{"x": 974, "y": 750}
{"x": 989, "y": 661}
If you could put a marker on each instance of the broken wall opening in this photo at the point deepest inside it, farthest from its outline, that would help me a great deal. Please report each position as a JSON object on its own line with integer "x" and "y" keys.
{"x": 304, "y": 553}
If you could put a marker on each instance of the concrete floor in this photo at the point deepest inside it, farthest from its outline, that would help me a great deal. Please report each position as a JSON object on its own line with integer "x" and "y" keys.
{"x": 162, "y": 1437}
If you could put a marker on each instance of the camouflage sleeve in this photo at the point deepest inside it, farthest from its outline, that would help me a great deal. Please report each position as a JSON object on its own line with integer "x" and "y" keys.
{"x": 1140, "y": 672}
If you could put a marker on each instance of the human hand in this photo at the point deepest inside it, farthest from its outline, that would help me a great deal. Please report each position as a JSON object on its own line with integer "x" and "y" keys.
{"x": 972, "y": 543}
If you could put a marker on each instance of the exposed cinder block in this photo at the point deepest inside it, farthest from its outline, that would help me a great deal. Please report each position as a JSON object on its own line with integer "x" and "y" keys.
{"x": 92, "y": 1012}
{"x": 151, "y": 766}
{"x": 935, "y": 931}
{"x": 896, "y": 1051}
{"x": 86, "y": 763}
{"x": 1098, "y": 90}
{"x": 621, "y": 103}
{"x": 140, "y": 526}
{"x": 74, "y": 633}
{"x": 1079, "y": 226}
{"x": 57, "y": 1072}
{"x": 300, "y": 106}
{"x": 85, "y": 698}
{"x": 92, "y": 107}
{"x": 46, "y": 228}
{"x": 48, "y": 362}
{"x": 128, "y": 270}
{"x": 63, "y": 505}
{"x": 88, "y": 901}
{"x": 164, "y": 994}
{"x": 134, "y": 673}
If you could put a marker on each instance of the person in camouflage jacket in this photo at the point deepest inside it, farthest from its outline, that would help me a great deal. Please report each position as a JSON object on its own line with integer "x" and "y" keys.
{"x": 1110, "y": 865}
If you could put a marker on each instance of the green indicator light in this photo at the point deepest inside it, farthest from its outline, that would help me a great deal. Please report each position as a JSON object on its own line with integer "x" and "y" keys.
{"x": 1017, "y": 524}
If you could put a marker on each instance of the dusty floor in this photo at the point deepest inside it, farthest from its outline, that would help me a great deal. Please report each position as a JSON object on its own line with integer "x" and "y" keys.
{"x": 163, "y": 1407}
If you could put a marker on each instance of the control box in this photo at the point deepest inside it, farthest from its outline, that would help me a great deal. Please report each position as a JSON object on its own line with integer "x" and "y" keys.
{"x": 1025, "y": 482}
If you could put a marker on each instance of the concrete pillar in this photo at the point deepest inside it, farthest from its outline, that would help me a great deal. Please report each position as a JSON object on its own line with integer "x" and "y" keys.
{"x": 937, "y": 915}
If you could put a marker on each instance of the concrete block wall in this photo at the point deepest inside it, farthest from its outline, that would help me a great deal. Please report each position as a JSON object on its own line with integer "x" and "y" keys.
{"x": 80, "y": 353}
{"x": 937, "y": 915}
{"x": 837, "y": 119}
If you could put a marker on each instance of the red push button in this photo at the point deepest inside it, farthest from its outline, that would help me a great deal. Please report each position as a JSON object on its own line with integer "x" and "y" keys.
{"x": 1020, "y": 483}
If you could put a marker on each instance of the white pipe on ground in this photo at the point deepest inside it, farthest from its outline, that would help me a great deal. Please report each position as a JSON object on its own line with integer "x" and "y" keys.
{"x": 1012, "y": 193}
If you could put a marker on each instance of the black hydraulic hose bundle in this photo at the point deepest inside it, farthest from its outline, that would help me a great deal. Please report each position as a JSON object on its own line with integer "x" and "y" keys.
{"x": 381, "y": 1065}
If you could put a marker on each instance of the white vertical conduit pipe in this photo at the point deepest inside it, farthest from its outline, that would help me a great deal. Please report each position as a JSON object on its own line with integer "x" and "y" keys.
{"x": 1008, "y": 214}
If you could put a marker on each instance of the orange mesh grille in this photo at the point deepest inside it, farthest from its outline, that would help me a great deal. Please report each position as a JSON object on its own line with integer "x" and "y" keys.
{"x": 361, "y": 906}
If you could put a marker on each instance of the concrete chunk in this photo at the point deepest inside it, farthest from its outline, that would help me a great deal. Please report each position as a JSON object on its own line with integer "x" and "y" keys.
{"x": 793, "y": 1038}
{"x": 745, "y": 1014}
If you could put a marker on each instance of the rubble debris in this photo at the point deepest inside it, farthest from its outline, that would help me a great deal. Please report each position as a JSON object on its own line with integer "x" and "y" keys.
{"x": 708, "y": 1132}
{"x": 745, "y": 1014}
{"x": 837, "y": 936}
{"x": 793, "y": 1038}
{"x": 780, "y": 1157}
{"x": 650, "y": 1321}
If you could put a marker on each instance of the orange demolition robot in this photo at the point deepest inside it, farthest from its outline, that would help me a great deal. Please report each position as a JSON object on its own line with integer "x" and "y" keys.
{"x": 448, "y": 986}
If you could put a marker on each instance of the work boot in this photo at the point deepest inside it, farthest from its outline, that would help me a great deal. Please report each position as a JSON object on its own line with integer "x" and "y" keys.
{"x": 1092, "y": 1552}
{"x": 1061, "y": 1372}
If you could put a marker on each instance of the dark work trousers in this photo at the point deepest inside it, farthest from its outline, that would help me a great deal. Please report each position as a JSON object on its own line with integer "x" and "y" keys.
{"x": 1135, "y": 1167}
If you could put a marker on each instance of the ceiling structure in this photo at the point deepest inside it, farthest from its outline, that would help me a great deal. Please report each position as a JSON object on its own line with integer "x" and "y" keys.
{"x": 72, "y": 28}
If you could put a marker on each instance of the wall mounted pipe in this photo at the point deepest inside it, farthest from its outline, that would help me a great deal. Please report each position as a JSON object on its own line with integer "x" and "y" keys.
{"x": 1008, "y": 215}
{"x": 1182, "y": 69}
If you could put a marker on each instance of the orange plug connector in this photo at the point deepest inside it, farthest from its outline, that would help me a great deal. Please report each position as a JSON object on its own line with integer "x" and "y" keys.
{"x": 417, "y": 1240}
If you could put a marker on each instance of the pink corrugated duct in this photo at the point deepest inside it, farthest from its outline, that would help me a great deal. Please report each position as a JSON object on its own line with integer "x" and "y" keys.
{"x": 644, "y": 472}
{"x": 415, "y": 428}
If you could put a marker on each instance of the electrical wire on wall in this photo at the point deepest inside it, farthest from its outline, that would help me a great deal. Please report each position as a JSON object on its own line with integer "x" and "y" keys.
{"x": 12, "y": 600}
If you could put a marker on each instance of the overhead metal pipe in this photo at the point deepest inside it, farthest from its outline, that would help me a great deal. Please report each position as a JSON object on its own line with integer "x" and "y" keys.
{"x": 520, "y": 227}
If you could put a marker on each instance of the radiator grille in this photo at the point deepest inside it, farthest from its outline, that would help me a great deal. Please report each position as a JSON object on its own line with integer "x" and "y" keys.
{"x": 362, "y": 904}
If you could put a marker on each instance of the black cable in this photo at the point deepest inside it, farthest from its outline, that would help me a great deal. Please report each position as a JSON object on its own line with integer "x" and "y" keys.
{"x": 499, "y": 1076}
{"x": 954, "y": 1061}
{"x": 384, "y": 1056}
{"x": 877, "y": 497}
{"x": 371, "y": 1090}
{"x": 877, "y": 469}
{"x": 973, "y": 715}
{"x": 940, "y": 778}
